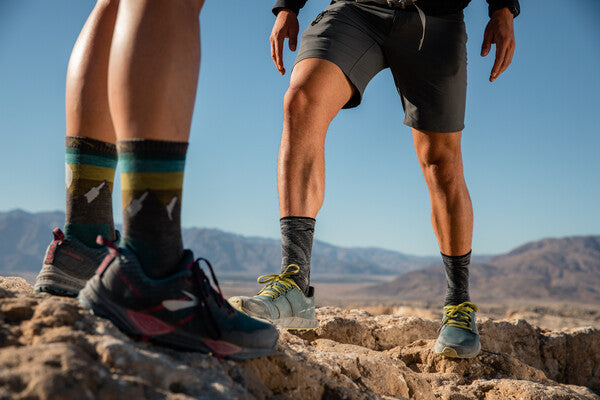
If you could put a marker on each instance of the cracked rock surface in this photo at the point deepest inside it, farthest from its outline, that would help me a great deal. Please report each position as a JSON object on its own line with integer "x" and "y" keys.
{"x": 51, "y": 348}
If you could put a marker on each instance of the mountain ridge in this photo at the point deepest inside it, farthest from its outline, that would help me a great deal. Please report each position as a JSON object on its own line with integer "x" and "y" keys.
{"x": 551, "y": 269}
{"x": 28, "y": 234}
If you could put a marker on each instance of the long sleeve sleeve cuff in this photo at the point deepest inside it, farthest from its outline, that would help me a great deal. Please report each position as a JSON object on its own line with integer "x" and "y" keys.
{"x": 294, "y": 5}
{"x": 513, "y": 6}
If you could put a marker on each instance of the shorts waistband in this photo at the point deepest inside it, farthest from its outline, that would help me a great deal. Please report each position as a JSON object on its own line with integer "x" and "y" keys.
{"x": 408, "y": 5}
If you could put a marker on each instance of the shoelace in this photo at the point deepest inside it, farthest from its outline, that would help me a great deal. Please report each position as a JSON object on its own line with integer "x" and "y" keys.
{"x": 278, "y": 284}
{"x": 459, "y": 316}
{"x": 203, "y": 283}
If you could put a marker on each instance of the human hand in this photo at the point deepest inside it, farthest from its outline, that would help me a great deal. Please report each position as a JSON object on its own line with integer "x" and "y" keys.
{"x": 286, "y": 26}
{"x": 500, "y": 32}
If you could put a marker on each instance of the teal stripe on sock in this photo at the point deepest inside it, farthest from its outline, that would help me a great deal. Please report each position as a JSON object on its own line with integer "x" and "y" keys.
{"x": 87, "y": 159}
{"x": 87, "y": 233}
{"x": 129, "y": 165}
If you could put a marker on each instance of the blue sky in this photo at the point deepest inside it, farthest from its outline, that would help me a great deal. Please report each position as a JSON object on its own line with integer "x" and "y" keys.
{"x": 531, "y": 146}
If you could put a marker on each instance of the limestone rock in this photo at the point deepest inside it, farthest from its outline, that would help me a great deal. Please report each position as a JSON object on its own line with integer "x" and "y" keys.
{"x": 51, "y": 348}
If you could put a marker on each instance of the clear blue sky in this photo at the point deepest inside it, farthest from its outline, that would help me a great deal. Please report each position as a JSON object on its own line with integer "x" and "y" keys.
{"x": 531, "y": 146}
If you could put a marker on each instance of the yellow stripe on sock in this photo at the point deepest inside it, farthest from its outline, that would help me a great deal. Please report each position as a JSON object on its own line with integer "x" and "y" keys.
{"x": 91, "y": 173}
{"x": 136, "y": 181}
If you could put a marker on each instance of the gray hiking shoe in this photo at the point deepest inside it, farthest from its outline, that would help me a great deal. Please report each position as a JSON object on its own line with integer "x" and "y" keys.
{"x": 68, "y": 265}
{"x": 280, "y": 302}
{"x": 458, "y": 334}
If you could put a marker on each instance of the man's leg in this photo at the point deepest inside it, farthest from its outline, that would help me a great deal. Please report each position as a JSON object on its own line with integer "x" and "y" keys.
{"x": 440, "y": 158}
{"x": 150, "y": 286}
{"x": 90, "y": 160}
{"x": 318, "y": 90}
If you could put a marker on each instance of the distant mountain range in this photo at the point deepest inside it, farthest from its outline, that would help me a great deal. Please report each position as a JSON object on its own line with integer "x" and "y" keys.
{"x": 558, "y": 270}
{"x": 565, "y": 269}
{"x": 25, "y": 237}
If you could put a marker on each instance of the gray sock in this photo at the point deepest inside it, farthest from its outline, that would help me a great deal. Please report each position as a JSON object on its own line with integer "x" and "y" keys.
{"x": 457, "y": 278}
{"x": 296, "y": 247}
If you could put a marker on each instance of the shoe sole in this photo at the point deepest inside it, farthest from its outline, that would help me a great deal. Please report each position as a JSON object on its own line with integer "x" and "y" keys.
{"x": 95, "y": 298}
{"x": 289, "y": 323}
{"x": 54, "y": 281}
{"x": 451, "y": 353}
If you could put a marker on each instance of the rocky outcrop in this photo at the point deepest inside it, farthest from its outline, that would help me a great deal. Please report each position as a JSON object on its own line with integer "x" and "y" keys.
{"x": 50, "y": 348}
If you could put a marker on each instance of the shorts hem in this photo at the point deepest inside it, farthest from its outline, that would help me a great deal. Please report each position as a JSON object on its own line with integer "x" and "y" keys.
{"x": 432, "y": 128}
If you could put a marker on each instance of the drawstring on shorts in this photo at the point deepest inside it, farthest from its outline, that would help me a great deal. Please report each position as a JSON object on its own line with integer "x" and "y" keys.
{"x": 423, "y": 21}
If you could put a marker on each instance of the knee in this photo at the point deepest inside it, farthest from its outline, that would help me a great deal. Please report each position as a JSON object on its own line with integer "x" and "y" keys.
{"x": 443, "y": 174}
{"x": 297, "y": 102}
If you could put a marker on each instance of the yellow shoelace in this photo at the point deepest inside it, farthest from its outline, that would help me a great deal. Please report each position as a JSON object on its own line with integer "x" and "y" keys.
{"x": 276, "y": 285}
{"x": 459, "y": 316}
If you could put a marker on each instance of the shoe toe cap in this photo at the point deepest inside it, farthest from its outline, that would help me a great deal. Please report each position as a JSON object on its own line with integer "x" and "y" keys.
{"x": 463, "y": 342}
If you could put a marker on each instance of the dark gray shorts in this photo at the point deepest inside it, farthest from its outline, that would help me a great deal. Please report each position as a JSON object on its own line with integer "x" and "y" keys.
{"x": 362, "y": 39}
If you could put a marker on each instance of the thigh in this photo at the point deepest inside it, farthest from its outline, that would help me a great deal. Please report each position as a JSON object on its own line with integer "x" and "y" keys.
{"x": 322, "y": 83}
{"x": 350, "y": 37}
{"x": 432, "y": 81}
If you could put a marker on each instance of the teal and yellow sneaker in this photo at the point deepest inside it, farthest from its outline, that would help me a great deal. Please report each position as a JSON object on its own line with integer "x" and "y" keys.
{"x": 280, "y": 302}
{"x": 458, "y": 334}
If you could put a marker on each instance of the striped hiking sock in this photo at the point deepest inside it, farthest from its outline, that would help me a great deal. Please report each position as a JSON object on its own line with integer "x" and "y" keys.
{"x": 151, "y": 183}
{"x": 89, "y": 174}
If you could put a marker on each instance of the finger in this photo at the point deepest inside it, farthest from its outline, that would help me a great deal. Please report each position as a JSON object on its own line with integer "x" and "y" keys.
{"x": 273, "y": 57}
{"x": 293, "y": 41}
{"x": 279, "y": 53}
{"x": 500, "y": 55}
{"x": 507, "y": 59}
{"x": 487, "y": 43}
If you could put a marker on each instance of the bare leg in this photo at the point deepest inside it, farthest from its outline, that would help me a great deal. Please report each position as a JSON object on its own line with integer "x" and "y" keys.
{"x": 87, "y": 108}
{"x": 318, "y": 90}
{"x": 440, "y": 158}
{"x": 154, "y": 64}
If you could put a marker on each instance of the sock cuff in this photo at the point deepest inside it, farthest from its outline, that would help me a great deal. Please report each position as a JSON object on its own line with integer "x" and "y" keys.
{"x": 91, "y": 146}
{"x": 294, "y": 218}
{"x": 457, "y": 261}
{"x": 147, "y": 148}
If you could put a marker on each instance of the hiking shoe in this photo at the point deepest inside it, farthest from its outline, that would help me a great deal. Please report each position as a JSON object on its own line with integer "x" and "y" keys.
{"x": 68, "y": 265}
{"x": 182, "y": 311}
{"x": 458, "y": 334}
{"x": 280, "y": 302}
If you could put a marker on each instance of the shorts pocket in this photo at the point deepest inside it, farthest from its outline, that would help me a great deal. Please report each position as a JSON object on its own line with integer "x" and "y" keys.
{"x": 318, "y": 18}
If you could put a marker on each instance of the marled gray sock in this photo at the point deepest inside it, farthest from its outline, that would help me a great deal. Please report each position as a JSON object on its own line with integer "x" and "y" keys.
{"x": 457, "y": 278}
{"x": 296, "y": 247}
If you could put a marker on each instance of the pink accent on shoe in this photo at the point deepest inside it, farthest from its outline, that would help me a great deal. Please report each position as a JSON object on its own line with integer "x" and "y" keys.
{"x": 58, "y": 238}
{"x": 107, "y": 260}
{"x": 129, "y": 285}
{"x": 75, "y": 256}
{"x": 221, "y": 347}
{"x": 148, "y": 325}
{"x": 58, "y": 234}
